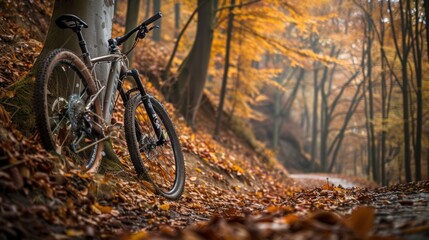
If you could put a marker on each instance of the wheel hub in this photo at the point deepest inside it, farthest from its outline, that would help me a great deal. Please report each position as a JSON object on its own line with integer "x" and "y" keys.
{"x": 76, "y": 109}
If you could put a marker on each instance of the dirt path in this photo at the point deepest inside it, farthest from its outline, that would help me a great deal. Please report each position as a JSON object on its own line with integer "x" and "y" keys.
{"x": 317, "y": 180}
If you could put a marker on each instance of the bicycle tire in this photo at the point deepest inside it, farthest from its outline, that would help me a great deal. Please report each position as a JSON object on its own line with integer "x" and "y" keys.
{"x": 147, "y": 166}
{"x": 63, "y": 85}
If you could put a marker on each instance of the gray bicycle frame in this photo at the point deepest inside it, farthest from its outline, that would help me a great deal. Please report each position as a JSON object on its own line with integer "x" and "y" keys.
{"x": 117, "y": 67}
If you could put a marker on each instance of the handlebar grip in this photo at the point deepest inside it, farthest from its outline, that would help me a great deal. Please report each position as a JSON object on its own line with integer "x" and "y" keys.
{"x": 152, "y": 19}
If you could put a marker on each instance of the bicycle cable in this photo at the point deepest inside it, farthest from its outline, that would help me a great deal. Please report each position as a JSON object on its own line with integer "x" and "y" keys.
{"x": 132, "y": 47}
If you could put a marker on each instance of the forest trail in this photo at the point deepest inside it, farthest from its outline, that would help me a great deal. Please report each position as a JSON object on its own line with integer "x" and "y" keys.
{"x": 311, "y": 180}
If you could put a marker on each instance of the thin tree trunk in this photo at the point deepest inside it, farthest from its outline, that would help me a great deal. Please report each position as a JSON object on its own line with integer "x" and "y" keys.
{"x": 226, "y": 69}
{"x": 130, "y": 23}
{"x": 383, "y": 97}
{"x": 417, "y": 57}
{"x": 177, "y": 6}
{"x": 426, "y": 5}
{"x": 404, "y": 62}
{"x": 315, "y": 115}
{"x": 305, "y": 123}
{"x": 156, "y": 35}
{"x": 179, "y": 37}
{"x": 373, "y": 150}
{"x": 147, "y": 9}
{"x": 352, "y": 108}
{"x": 188, "y": 89}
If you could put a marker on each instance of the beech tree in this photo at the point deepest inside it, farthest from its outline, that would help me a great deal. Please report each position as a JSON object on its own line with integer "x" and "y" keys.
{"x": 133, "y": 8}
{"x": 188, "y": 89}
{"x": 97, "y": 14}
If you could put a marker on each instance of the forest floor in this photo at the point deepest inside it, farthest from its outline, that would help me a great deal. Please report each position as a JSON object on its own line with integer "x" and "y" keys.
{"x": 231, "y": 191}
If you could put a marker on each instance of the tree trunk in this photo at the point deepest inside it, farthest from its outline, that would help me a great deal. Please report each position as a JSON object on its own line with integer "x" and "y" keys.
{"x": 147, "y": 9}
{"x": 177, "y": 6}
{"x": 188, "y": 89}
{"x": 315, "y": 107}
{"x": 325, "y": 117}
{"x": 226, "y": 68}
{"x": 97, "y": 14}
{"x": 131, "y": 22}
{"x": 426, "y": 3}
{"x": 384, "y": 106}
{"x": 373, "y": 150}
{"x": 417, "y": 57}
{"x": 339, "y": 138}
{"x": 405, "y": 94}
{"x": 156, "y": 35}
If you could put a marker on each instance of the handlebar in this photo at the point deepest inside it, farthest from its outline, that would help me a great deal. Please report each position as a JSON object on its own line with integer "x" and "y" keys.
{"x": 142, "y": 26}
{"x": 152, "y": 19}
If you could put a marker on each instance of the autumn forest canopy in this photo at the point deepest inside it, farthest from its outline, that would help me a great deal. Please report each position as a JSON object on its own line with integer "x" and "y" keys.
{"x": 326, "y": 86}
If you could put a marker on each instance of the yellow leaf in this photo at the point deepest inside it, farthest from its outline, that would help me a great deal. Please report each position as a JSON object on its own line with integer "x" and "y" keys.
{"x": 138, "y": 235}
{"x": 164, "y": 207}
{"x": 102, "y": 209}
{"x": 237, "y": 169}
{"x": 74, "y": 233}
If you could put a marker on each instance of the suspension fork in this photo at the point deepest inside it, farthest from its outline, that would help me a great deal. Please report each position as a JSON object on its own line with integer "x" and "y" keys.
{"x": 146, "y": 99}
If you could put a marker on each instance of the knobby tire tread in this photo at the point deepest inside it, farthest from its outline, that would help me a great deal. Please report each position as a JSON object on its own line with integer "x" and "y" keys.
{"x": 133, "y": 145}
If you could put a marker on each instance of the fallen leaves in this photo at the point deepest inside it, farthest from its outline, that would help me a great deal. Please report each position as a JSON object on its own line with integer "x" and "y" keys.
{"x": 322, "y": 223}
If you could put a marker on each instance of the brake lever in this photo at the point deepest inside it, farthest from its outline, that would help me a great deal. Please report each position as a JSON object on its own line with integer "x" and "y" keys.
{"x": 155, "y": 26}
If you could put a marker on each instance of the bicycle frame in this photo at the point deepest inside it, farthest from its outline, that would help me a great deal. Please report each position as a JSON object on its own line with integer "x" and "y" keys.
{"x": 118, "y": 72}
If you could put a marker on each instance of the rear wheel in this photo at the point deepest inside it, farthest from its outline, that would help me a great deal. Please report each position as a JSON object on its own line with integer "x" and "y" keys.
{"x": 62, "y": 92}
{"x": 158, "y": 162}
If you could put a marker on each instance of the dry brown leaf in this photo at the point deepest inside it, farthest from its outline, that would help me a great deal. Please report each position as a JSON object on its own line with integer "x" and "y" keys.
{"x": 361, "y": 221}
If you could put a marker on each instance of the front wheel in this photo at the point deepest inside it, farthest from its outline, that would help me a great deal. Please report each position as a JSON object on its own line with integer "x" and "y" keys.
{"x": 158, "y": 162}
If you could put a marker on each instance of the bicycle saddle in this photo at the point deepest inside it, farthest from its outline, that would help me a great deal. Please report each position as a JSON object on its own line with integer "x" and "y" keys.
{"x": 70, "y": 21}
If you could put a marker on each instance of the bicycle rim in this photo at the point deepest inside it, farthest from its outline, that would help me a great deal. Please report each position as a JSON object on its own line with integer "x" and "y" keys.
{"x": 64, "y": 124}
{"x": 161, "y": 163}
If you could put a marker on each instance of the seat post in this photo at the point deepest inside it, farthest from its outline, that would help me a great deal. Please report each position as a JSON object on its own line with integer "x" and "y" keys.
{"x": 83, "y": 47}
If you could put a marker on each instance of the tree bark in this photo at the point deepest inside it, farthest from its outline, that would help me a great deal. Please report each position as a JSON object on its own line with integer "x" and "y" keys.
{"x": 177, "y": 12}
{"x": 188, "y": 89}
{"x": 130, "y": 23}
{"x": 97, "y": 14}
{"x": 373, "y": 150}
{"x": 226, "y": 68}
{"x": 156, "y": 35}
{"x": 315, "y": 114}
{"x": 404, "y": 49}
{"x": 417, "y": 57}
{"x": 426, "y": 5}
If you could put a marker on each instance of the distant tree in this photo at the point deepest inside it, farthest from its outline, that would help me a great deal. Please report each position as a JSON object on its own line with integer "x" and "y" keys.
{"x": 156, "y": 36}
{"x": 226, "y": 68}
{"x": 188, "y": 89}
{"x": 130, "y": 23}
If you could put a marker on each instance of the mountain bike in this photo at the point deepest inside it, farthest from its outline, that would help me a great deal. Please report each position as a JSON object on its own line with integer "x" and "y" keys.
{"x": 74, "y": 111}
